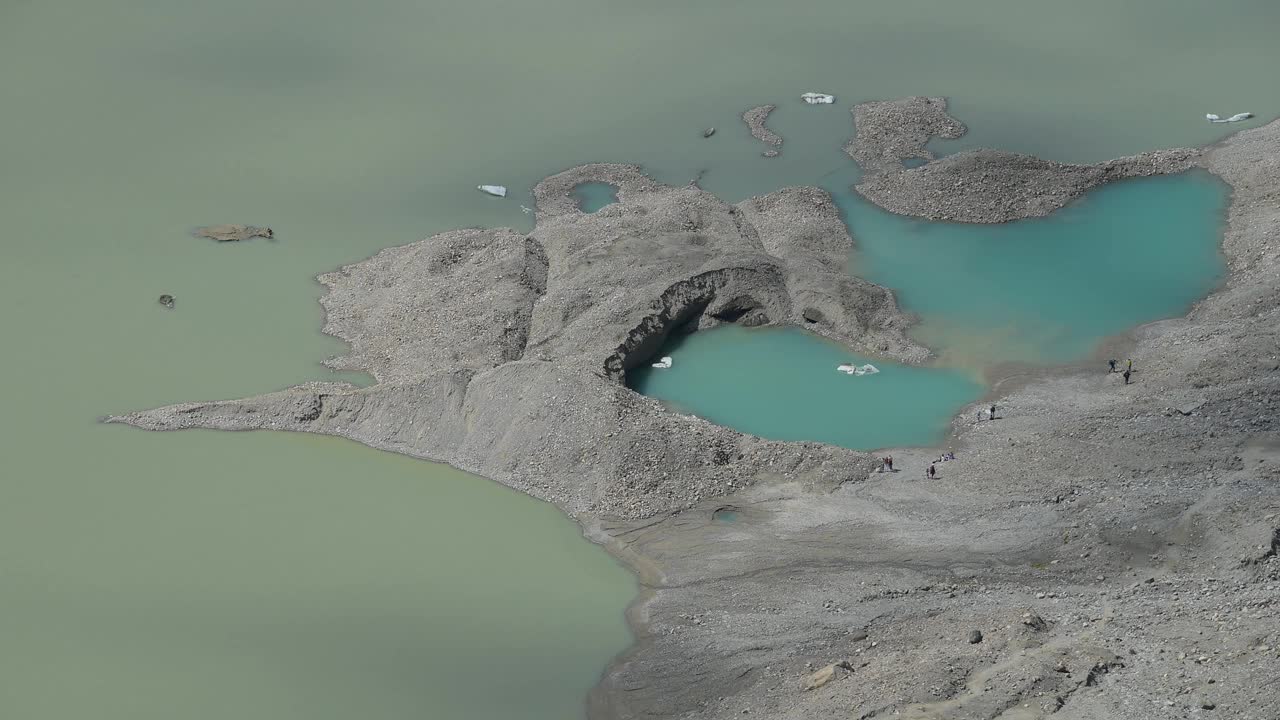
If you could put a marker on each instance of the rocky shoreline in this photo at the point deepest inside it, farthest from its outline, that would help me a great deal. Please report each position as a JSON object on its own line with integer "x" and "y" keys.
{"x": 755, "y": 118}
{"x": 1113, "y": 546}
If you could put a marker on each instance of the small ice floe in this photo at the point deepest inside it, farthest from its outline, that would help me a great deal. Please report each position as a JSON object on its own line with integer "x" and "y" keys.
{"x": 496, "y": 190}
{"x": 1234, "y": 118}
{"x": 859, "y": 370}
{"x": 664, "y": 363}
{"x": 814, "y": 98}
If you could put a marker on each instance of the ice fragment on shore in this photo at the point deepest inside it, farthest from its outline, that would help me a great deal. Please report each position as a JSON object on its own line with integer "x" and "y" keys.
{"x": 814, "y": 98}
{"x": 1234, "y": 118}
{"x": 859, "y": 370}
{"x": 664, "y": 363}
{"x": 498, "y": 190}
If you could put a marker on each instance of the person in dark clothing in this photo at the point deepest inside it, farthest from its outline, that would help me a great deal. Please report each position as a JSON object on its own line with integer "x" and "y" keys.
{"x": 889, "y": 460}
{"x": 1112, "y": 363}
{"x": 932, "y": 472}
{"x": 1126, "y": 377}
{"x": 993, "y": 411}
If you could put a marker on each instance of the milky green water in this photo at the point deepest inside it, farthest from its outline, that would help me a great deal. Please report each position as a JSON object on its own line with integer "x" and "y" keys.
{"x": 201, "y": 575}
{"x": 783, "y": 384}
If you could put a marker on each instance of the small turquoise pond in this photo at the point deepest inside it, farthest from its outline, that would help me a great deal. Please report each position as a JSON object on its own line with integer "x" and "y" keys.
{"x": 782, "y": 383}
{"x": 1047, "y": 290}
{"x": 594, "y": 195}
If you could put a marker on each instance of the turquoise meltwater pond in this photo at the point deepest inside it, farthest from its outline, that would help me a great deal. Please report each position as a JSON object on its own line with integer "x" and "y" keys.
{"x": 1042, "y": 291}
{"x": 1047, "y": 290}
{"x": 592, "y": 196}
{"x": 782, "y": 383}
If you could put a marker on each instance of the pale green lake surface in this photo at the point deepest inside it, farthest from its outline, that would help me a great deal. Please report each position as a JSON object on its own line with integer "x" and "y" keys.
{"x": 203, "y": 575}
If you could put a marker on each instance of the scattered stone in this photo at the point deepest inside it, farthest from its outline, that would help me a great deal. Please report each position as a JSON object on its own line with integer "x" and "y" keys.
{"x": 975, "y": 637}
{"x": 826, "y": 674}
{"x": 1035, "y": 622}
{"x": 167, "y": 301}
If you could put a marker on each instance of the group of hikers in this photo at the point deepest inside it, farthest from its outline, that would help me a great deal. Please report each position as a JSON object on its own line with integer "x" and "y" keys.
{"x": 1128, "y": 369}
{"x": 886, "y": 462}
{"x": 931, "y": 472}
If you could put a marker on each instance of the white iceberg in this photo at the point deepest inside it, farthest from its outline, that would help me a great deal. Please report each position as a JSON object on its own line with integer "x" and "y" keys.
{"x": 1234, "y": 118}
{"x": 664, "y": 363}
{"x": 814, "y": 98}
{"x": 858, "y": 370}
{"x": 498, "y": 190}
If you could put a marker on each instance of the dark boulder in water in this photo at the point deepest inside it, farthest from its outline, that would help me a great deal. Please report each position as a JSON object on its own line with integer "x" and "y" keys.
{"x": 167, "y": 301}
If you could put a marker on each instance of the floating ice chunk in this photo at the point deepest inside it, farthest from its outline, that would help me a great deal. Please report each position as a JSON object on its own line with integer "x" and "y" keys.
{"x": 664, "y": 363}
{"x": 1234, "y": 118}
{"x": 859, "y": 370}
{"x": 498, "y": 190}
{"x": 814, "y": 98}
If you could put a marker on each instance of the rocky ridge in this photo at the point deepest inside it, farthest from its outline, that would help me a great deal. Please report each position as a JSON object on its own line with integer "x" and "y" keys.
{"x": 975, "y": 186}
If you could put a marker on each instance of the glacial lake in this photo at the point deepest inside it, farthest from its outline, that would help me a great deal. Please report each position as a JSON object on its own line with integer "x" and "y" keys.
{"x": 280, "y": 577}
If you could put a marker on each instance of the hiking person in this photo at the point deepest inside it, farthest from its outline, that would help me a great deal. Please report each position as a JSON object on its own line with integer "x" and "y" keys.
{"x": 993, "y": 411}
{"x": 932, "y": 472}
{"x": 889, "y": 460}
{"x": 1112, "y": 363}
{"x": 1126, "y": 377}
{"x": 1130, "y": 366}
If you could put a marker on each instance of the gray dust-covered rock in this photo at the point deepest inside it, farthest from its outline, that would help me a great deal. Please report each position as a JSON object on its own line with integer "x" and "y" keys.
{"x": 233, "y": 233}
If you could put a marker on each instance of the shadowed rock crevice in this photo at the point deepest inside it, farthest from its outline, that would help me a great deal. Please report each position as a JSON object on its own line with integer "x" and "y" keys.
{"x": 694, "y": 304}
